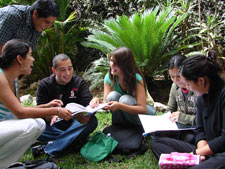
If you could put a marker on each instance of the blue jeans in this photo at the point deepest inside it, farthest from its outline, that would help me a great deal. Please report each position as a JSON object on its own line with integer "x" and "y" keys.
{"x": 124, "y": 118}
{"x": 62, "y": 134}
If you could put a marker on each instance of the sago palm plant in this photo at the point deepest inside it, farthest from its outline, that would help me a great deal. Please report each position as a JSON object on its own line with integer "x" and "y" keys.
{"x": 148, "y": 35}
{"x": 95, "y": 74}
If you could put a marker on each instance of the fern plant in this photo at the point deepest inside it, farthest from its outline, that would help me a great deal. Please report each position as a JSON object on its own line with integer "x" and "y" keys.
{"x": 7, "y": 2}
{"x": 96, "y": 72}
{"x": 148, "y": 35}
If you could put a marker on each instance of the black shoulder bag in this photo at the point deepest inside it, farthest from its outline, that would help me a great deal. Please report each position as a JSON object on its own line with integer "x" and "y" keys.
{"x": 130, "y": 139}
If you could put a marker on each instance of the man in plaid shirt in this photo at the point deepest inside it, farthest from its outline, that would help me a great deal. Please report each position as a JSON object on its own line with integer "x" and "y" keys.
{"x": 26, "y": 22}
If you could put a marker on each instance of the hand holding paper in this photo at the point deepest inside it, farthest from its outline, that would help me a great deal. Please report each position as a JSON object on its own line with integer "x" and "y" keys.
{"x": 83, "y": 111}
{"x": 81, "y": 118}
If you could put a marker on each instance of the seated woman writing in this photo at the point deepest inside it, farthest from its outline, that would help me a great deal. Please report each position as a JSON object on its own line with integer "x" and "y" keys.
{"x": 200, "y": 74}
{"x": 182, "y": 102}
{"x": 125, "y": 89}
{"x": 20, "y": 126}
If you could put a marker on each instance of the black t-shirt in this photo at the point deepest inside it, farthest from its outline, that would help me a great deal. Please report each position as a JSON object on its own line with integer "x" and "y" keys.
{"x": 211, "y": 116}
{"x": 76, "y": 91}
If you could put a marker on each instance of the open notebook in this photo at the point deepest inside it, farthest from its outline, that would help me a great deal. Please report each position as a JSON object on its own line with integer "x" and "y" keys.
{"x": 86, "y": 111}
{"x": 159, "y": 123}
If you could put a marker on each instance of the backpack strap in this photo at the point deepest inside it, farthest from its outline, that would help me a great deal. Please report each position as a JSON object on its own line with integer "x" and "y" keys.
{"x": 141, "y": 151}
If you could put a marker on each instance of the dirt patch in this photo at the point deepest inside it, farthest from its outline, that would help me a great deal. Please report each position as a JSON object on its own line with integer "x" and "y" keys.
{"x": 98, "y": 92}
{"x": 159, "y": 90}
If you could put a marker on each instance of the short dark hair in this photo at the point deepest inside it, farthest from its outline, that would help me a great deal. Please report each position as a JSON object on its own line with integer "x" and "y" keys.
{"x": 45, "y": 8}
{"x": 176, "y": 61}
{"x": 58, "y": 57}
{"x": 11, "y": 50}
{"x": 200, "y": 66}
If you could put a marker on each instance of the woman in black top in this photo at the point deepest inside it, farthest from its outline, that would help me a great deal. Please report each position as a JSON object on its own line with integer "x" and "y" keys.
{"x": 200, "y": 74}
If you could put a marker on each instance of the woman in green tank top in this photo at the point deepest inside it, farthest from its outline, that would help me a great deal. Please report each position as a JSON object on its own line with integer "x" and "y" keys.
{"x": 125, "y": 89}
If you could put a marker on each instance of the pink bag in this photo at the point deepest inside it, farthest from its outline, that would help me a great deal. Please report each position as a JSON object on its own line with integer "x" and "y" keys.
{"x": 178, "y": 160}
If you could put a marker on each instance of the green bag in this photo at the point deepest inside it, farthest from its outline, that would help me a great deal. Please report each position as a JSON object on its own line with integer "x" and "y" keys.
{"x": 99, "y": 147}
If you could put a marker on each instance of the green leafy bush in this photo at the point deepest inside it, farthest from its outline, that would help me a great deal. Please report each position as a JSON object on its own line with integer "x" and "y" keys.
{"x": 148, "y": 35}
{"x": 211, "y": 28}
{"x": 94, "y": 12}
{"x": 96, "y": 72}
{"x": 205, "y": 22}
{"x": 8, "y": 2}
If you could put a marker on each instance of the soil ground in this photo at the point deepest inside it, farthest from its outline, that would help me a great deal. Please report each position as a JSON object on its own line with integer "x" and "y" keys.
{"x": 159, "y": 90}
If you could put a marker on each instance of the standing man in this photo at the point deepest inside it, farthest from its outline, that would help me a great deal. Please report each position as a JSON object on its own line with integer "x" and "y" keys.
{"x": 66, "y": 87}
{"x": 26, "y": 22}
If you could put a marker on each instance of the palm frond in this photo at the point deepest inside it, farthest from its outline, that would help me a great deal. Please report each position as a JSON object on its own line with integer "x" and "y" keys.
{"x": 148, "y": 35}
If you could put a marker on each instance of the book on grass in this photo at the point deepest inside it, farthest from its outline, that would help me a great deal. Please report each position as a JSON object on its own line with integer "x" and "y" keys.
{"x": 160, "y": 123}
{"x": 86, "y": 111}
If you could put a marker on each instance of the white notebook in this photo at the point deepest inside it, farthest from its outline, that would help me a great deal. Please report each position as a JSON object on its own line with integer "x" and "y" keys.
{"x": 152, "y": 123}
{"x": 86, "y": 111}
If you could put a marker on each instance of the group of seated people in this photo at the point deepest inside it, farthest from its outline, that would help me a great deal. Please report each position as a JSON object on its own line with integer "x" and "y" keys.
{"x": 196, "y": 99}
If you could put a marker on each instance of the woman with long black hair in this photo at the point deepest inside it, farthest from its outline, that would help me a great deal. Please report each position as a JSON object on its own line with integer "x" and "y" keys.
{"x": 182, "y": 102}
{"x": 201, "y": 74}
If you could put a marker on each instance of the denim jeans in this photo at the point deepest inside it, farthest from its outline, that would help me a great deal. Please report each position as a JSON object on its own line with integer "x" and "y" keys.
{"x": 64, "y": 133}
{"x": 124, "y": 118}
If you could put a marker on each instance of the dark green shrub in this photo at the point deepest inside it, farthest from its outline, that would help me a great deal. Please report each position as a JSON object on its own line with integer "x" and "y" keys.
{"x": 94, "y": 12}
{"x": 148, "y": 35}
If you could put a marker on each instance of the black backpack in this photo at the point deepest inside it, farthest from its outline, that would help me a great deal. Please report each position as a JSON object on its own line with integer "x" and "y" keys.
{"x": 130, "y": 139}
{"x": 36, "y": 164}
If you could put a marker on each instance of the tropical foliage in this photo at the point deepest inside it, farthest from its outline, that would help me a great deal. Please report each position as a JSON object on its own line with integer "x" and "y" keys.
{"x": 211, "y": 25}
{"x": 5, "y": 2}
{"x": 204, "y": 24}
{"x": 93, "y": 12}
{"x": 205, "y": 21}
{"x": 149, "y": 35}
{"x": 10, "y": 2}
{"x": 96, "y": 72}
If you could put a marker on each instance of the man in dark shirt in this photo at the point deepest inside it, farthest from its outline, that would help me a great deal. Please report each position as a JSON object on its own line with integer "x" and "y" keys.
{"x": 67, "y": 88}
{"x": 26, "y": 22}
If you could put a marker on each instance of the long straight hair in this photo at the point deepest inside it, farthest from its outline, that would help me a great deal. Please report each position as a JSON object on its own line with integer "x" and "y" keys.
{"x": 124, "y": 58}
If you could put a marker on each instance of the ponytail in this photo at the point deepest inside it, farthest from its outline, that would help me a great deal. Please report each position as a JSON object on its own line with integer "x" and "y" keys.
{"x": 11, "y": 49}
{"x": 199, "y": 66}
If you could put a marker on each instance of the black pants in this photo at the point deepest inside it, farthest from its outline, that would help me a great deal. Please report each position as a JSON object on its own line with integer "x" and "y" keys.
{"x": 166, "y": 145}
{"x": 185, "y": 135}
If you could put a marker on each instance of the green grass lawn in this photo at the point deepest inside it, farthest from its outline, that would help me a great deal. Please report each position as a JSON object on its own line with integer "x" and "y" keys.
{"x": 75, "y": 160}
